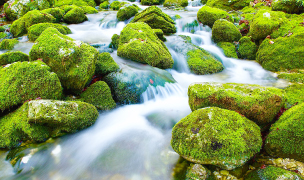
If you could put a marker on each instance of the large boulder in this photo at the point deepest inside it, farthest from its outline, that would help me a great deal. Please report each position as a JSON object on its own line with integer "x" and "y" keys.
{"x": 286, "y": 136}
{"x": 247, "y": 49}
{"x": 35, "y": 30}
{"x": 289, "y": 6}
{"x": 73, "y": 61}
{"x": 283, "y": 53}
{"x": 208, "y": 15}
{"x": 13, "y": 56}
{"x": 75, "y": 16}
{"x": 156, "y": 19}
{"x": 105, "y": 64}
{"x": 38, "y": 120}
{"x": 127, "y": 12}
{"x": 271, "y": 172}
{"x": 216, "y": 136}
{"x": 138, "y": 42}
{"x": 257, "y": 103}
{"x": 228, "y": 4}
{"x": 23, "y": 81}
{"x": 57, "y": 13}
{"x": 225, "y": 31}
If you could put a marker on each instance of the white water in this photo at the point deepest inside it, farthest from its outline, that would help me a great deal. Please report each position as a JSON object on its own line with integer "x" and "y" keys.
{"x": 133, "y": 141}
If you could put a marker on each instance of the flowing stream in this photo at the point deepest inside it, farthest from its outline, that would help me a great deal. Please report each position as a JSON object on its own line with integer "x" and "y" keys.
{"x": 131, "y": 141}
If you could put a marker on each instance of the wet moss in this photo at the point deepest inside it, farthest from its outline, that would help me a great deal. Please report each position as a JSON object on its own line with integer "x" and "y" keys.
{"x": 75, "y": 16}
{"x": 35, "y": 30}
{"x": 160, "y": 34}
{"x": 105, "y": 64}
{"x": 225, "y": 31}
{"x": 115, "y": 41}
{"x": 228, "y": 48}
{"x": 208, "y": 15}
{"x": 104, "y": 5}
{"x": 89, "y": 10}
{"x": 228, "y": 4}
{"x": 288, "y": 6}
{"x": 176, "y": 3}
{"x": 271, "y": 172}
{"x": 13, "y": 56}
{"x": 247, "y": 49}
{"x": 8, "y": 44}
{"x": 295, "y": 77}
{"x": 127, "y": 12}
{"x": 57, "y": 13}
{"x": 294, "y": 94}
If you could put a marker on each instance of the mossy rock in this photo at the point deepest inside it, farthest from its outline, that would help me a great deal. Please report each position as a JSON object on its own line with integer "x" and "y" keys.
{"x": 127, "y": 12}
{"x": 198, "y": 171}
{"x": 257, "y": 103}
{"x": 8, "y": 44}
{"x": 294, "y": 77}
{"x": 151, "y": 2}
{"x": 73, "y": 61}
{"x": 57, "y": 13}
{"x": 116, "y": 5}
{"x": 129, "y": 83}
{"x": 265, "y": 22}
{"x": 228, "y": 48}
{"x": 294, "y": 94}
{"x": 23, "y": 81}
{"x": 13, "y": 56}
{"x": 271, "y": 172}
{"x": 283, "y": 53}
{"x": 79, "y": 3}
{"x": 228, "y": 4}
{"x": 75, "y": 16}
{"x": 216, "y": 136}
{"x": 247, "y": 49}
{"x": 67, "y": 8}
{"x": 35, "y": 30}
{"x": 89, "y": 10}
{"x": 285, "y": 138}
{"x": 208, "y": 15}
{"x": 156, "y": 19}
{"x": 288, "y": 6}
{"x": 175, "y": 3}
{"x": 99, "y": 95}
{"x": 139, "y": 43}
{"x": 115, "y": 41}
{"x": 37, "y": 120}
{"x": 104, "y": 5}
{"x": 225, "y": 31}
{"x": 20, "y": 26}
{"x": 160, "y": 34}
{"x": 105, "y": 64}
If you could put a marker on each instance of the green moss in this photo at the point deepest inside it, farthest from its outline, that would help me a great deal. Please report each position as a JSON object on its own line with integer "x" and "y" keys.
{"x": 104, "y": 5}
{"x": 13, "y": 56}
{"x": 225, "y": 31}
{"x": 99, "y": 94}
{"x": 151, "y": 2}
{"x": 2, "y": 29}
{"x": 73, "y": 61}
{"x": 127, "y": 12}
{"x": 197, "y": 171}
{"x": 228, "y": 4}
{"x": 294, "y": 94}
{"x": 228, "y": 48}
{"x": 105, "y": 64}
{"x": 2, "y": 35}
{"x": 208, "y": 15}
{"x": 288, "y": 6}
{"x": 247, "y": 49}
{"x": 75, "y": 16}
{"x": 180, "y": 169}
{"x": 27, "y": 81}
{"x": 292, "y": 77}
{"x": 160, "y": 34}
{"x": 271, "y": 172}
{"x": 176, "y": 3}
{"x": 57, "y": 13}
{"x": 216, "y": 136}
{"x": 67, "y": 8}
{"x": 156, "y": 19}
{"x": 35, "y": 30}
{"x": 138, "y": 42}
{"x": 283, "y": 53}
{"x": 79, "y": 3}
{"x": 8, "y": 44}
{"x": 89, "y": 10}
{"x": 116, "y": 5}
{"x": 115, "y": 41}
{"x": 285, "y": 139}
{"x": 257, "y": 103}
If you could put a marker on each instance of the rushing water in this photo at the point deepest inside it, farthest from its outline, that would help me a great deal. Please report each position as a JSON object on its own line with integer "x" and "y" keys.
{"x": 131, "y": 141}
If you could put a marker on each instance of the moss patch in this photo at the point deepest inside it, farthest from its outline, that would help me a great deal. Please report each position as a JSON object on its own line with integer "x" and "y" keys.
{"x": 35, "y": 30}
{"x": 57, "y": 13}
{"x": 176, "y": 3}
{"x": 105, "y": 64}
{"x": 13, "y": 56}
{"x": 247, "y": 49}
{"x": 160, "y": 34}
{"x": 225, "y": 31}
{"x": 271, "y": 172}
{"x": 127, "y": 12}
{"x": 115, "y": 41}
{"x": 288, "y": 6}
{"x": 8, "y": 44}
{"x": 104, "y": 5}
{"x": 295, "y": 77}
{"x": 228, "y": 4}
{"x": 79, "y": 3}
{"x": 75, "y": 16}
{"x": 294, "y": 94}
{"x": 228, "y": 48}
{"x": 208, "y": 15}
{"x": 89, "y": 10}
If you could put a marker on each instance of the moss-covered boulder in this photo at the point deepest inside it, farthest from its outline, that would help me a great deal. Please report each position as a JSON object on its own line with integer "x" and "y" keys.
{"x": 104, "y": 5}
{"x": 228, "y": 4}
{"x": 127, "y": 12}
{"x": 289, "y": 6}
{"x": 79, "y": 3}
{"x": 89, "y": 10}
{"x": 175, "y": 3}
{"x": 151, "y": 2}
{"x": 75, "y": 16}
{"x": 57, "y": 13}
{"x": 247, "y": 49}
{"x": 37, "y": 120}
{"x": 35, "y": 30}
{"x": 296, "y": 76}
{"x": 225, "y": 31}
{"x": 271, "y": 172}
{"x": 216, "y": 136}
{"x": 105, "y": 64}
{"x": 116, "y": 5}
{"x": 13, "y": 56}
{"x": 283, "y": 53}
{"x": 129, "y": 83}
{"x": 257, "y": 103}
{"x": 23, "y": 81}
{"x": 20, "y": 26}
{"x": 208, "y": 15}
{"x": 160, "y": 34}
{"x": 99, "y": 94}
{"x": 8, "y": 44}
{"x": 286, "y": 136}
{"x": 228, "y": 49}
{"x": 156, "y": 19}
{"x": 115, "y": 41}
{"x": 138, "y": 42}
{"x": 294, "y": 94}
{"x": 73, "y": 61}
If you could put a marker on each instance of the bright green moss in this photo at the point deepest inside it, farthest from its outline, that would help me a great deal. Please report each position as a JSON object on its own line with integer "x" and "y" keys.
{"x": 228, "y": 48}
{"x": 79, "y": 3}
{"x": 99, "y": 94}
{"x": 257, "y": 103}
{"x": 75, "y": 16}
{"x": 271, "y": 172}
{"x": 225, "y": 31}
{"x": 115, "y": 41}
{"x": 104, "y": 5}
{"x": 286, "y": 136}
{"x": 73, "y": 61}
{"x": 13, "y": 56}
{"x": 8, "y": 44}
{"x": 67, "y": 8}
{"x": 2, "y": 35}
{"x": 35, "y": 30}
{"x": 216, "y": 136}
{"x": 138, "y": 42}
{"x": 283, "y": 53}
{"x": 156, "y": 19}
{"x": 105, "y": 64}
{"x": 151, "y": 2}
{"x": 208, "y": 15}
{"x": 292, "y": 77}
{"x": 57, "y": 13}
{"x": 127, "y": 12}
{"x": 89, "y": 10}
{"x": 116, "y": 5}
{"x": 27, "y": 80}
{"x": 294, "y": 94}
{"x": 247, "y": 49}
{"x": 160, "y": 34}
{"x": 176, "y": 3}
{"x": 228, "y": 4}
{"x": 288, "y": 6}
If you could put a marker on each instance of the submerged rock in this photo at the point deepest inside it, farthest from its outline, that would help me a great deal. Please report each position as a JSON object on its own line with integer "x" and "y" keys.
{"x": 13, "y": 56}
{"x": 35, "y": 30}
{"x": 271, "y": 172}
{"x": 216, "y": 136}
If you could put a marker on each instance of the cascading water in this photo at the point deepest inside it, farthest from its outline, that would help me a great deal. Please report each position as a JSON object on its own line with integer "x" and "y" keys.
{"x": 131, "y": 141}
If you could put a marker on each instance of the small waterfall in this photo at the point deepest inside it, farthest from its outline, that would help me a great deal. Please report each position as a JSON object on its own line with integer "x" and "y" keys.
{"x": 160, "y": 92}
